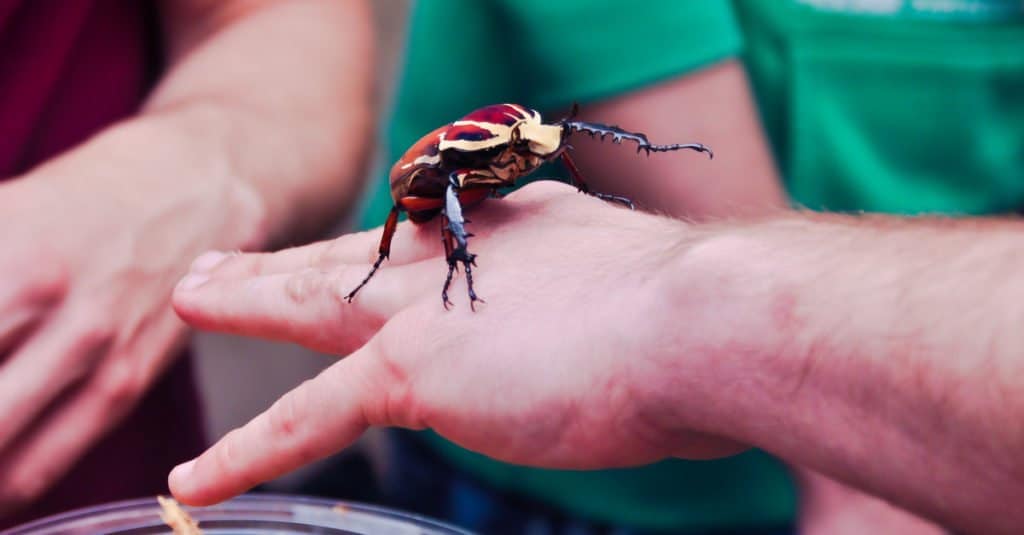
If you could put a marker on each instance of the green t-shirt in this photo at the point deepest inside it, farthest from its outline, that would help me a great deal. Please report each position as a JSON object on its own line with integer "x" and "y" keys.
{"x": 547, "y": 54}
{"x": 901, "y": 106}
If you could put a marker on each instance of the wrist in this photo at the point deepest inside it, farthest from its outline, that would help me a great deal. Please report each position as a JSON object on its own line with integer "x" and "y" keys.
{"x": 199, "y": 145}
{"x": 166, "y": 169}
{"x": 733, "y": 321}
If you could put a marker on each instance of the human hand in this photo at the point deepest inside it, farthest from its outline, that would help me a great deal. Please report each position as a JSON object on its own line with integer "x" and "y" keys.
{"x": 565, "y": 366}
{"x": 94, "y": 244}
{"x": 828, "y": 507}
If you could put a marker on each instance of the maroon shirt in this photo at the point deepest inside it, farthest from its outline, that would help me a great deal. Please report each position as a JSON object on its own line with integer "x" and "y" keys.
{"x": 68, "y": 68}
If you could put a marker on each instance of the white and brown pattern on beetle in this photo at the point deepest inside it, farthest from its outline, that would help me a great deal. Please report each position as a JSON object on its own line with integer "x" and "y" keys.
{"x": 502, "y": 124}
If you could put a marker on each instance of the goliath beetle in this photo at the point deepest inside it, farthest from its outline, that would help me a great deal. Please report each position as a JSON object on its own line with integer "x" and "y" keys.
{"x": 463, "y": 162}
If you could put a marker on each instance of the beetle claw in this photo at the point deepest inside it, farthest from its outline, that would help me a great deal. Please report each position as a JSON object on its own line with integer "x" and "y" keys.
{"x": 447, "y": 284}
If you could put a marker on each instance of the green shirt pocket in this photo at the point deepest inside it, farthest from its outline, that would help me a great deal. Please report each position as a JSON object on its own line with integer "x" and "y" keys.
{"x": 895, "y": 115}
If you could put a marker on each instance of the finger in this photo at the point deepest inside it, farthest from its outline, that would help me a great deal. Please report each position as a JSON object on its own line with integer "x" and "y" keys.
{"x": 308, "y": 307}
{"x": 22, "y": 305}
{"x": 50, "y": 361}
{"x": 17, "y": 325}
{"x": 321, "y": 416}
{"x": 411, "y": 243}
{"x": 36, "y": 283}
{"x": 50, "y": 449}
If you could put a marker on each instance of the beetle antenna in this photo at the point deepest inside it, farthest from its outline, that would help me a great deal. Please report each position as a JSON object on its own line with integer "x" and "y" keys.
{"x": 573, "y": 112}
{"x": 618, "y": 134}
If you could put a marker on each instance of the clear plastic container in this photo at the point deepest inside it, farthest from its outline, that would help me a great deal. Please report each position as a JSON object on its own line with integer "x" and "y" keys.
{"x": 251, "y": 514}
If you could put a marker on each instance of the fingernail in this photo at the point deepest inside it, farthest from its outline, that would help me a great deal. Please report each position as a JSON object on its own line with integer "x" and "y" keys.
{"x": 207, "y": 261}
{"x": 180, "y": 475}
{"x": 192, "y": 281}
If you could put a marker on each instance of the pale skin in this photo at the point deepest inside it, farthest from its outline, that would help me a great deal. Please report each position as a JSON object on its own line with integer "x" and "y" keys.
{"x": 221, "y": 155}
{"x": 740, "y": 182}
{"x": 879, "y": 351}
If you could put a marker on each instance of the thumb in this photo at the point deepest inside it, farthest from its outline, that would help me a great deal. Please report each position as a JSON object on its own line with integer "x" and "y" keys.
{"x": 318, "y": 418}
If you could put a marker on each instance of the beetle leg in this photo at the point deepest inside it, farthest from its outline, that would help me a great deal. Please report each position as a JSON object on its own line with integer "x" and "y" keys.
{"x": 449, "y": 247}
{"x": 618, "y": 134}
{"x": 577, "y": 180}
{"x": 457, "y": 230}
{"x": 384, "y": 250}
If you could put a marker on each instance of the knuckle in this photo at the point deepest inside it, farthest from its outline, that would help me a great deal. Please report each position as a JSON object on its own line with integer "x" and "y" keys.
{"x": 95, "y": 333}
{"x": 225, "y": 459}
{"x": 212, "y": 262}
{"x": 340, "y": 282}
{"x": 321, "y": 258}
{"x": 254, "y": 263}
{"x": 236, "y": 264}
{"x": 287, "y": 426}
{"x": 41, "y": 282}
{"x": 52, "y": 280}
{"x": 282, "y": 418}
{"x": 394, "y": 370}
{"x": 393, "y": 379}
{"x": 302, "y": 286}
{"x": 121, "y": 385}
{"x": 325, "y": 257}
{"x": 344, "y": 247}
{"x": 88, "y": 343}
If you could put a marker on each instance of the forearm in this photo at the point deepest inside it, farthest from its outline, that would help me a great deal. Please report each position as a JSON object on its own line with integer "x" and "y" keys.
{"x": 264, "y": 115}
{"x": 713, "y": 106}
{"x": 288, "y": 92}
{"x": 880, "y": 351}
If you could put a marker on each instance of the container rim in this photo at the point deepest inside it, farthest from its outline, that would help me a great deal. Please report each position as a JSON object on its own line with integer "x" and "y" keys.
{"x": 148, "y": 509}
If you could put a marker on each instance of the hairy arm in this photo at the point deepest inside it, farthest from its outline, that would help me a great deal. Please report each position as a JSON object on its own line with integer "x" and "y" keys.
{"x": 714, "y": 106}
{"x": 880, "y": 351}
{"x": 884, "y": 352}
